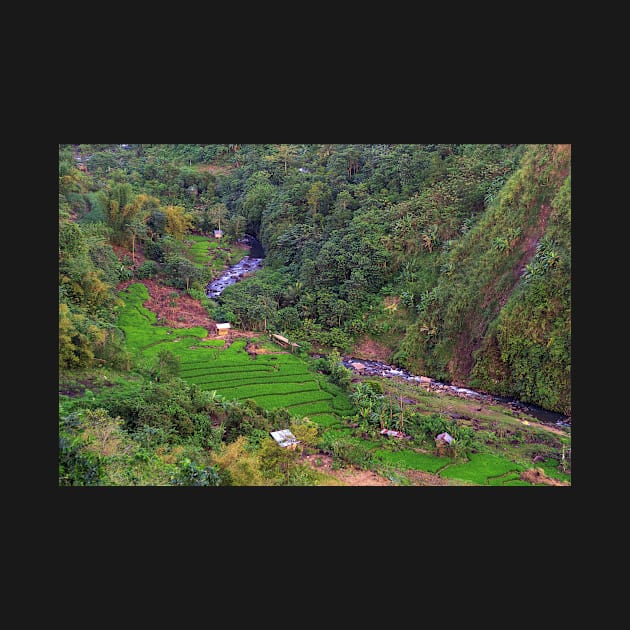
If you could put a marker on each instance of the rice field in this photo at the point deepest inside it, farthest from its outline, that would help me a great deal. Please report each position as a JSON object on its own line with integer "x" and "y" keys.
{"x": 140, "y": 324}
{"x": 411, "y": 459}
{"x": 272, "y": 380}
{"x": 200, "y": 248}
{"x": 485, "y": 469}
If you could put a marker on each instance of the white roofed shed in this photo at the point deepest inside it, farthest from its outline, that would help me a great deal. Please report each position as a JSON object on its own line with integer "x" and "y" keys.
{"x": 284, "y": 438}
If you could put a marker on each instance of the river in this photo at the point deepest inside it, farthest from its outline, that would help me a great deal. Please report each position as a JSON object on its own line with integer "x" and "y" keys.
{"x": 247, "y": 265}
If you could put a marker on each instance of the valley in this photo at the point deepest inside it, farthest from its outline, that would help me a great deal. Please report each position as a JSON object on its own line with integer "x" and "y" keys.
{"x": 409, "y": 331}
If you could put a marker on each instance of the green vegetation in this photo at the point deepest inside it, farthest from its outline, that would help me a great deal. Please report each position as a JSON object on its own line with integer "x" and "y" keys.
{"x": 140, "y": 325}
{"x": 481, "y": 469}
{"x": 411, "y": 459}
{"x": 273, "y": 381}
{"x": 455, "y": 257}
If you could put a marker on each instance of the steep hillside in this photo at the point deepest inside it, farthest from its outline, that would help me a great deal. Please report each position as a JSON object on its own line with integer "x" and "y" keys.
{"x": 499, "y": 316}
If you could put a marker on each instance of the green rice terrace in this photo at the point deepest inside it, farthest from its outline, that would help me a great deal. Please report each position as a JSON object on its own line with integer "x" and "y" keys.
{"x": 274, "y": 381}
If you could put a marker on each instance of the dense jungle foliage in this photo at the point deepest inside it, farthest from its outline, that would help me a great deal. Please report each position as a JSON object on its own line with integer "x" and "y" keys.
{"x": 457, "y": 258}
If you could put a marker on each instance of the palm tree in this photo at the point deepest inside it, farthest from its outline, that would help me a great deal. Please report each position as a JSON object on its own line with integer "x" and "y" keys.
{"x": 265, "y": 308}
{"x": 365, "y": 413}
{"x": 292, "y": 293}
{"x": 405, "y": 229}
{"x": 430, "y": 238}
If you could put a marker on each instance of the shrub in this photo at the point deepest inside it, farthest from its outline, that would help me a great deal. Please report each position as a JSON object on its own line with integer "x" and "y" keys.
{"x": 188, "y": 473}
{"x": 148, "y": 269}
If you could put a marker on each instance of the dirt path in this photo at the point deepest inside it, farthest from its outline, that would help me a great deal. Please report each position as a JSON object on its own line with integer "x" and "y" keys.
{"x": 353, "y": 476}
{"x": 544, "y": 426}
{"x": 349, "y": 475}
{"x": 538, "y": 476}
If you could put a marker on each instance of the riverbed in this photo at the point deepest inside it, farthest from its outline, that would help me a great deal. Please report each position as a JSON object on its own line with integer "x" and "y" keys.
{"x": 376, "y": 368}
{"x": 246, "y": 266}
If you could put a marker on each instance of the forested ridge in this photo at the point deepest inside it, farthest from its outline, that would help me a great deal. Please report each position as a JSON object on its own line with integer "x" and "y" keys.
{"x": 455, "y": 260}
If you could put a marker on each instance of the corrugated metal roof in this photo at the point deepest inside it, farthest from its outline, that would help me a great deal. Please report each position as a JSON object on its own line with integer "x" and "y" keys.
{"x": 394, "y": 433}
{"x": 280, "y": 338}
{"x": 284, "y": 437}
{"x": 224, "y": 326}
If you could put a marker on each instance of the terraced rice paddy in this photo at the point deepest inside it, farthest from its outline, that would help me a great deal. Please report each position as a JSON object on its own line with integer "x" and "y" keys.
{"x": 271, "y": 380}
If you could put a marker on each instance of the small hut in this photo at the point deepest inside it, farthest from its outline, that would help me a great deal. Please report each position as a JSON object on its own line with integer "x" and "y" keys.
{"x": 223, "y": 329}
{"x": 283, "y": 341}
{"x": 443, "y": 443}
{"x": 218, "y": 233}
